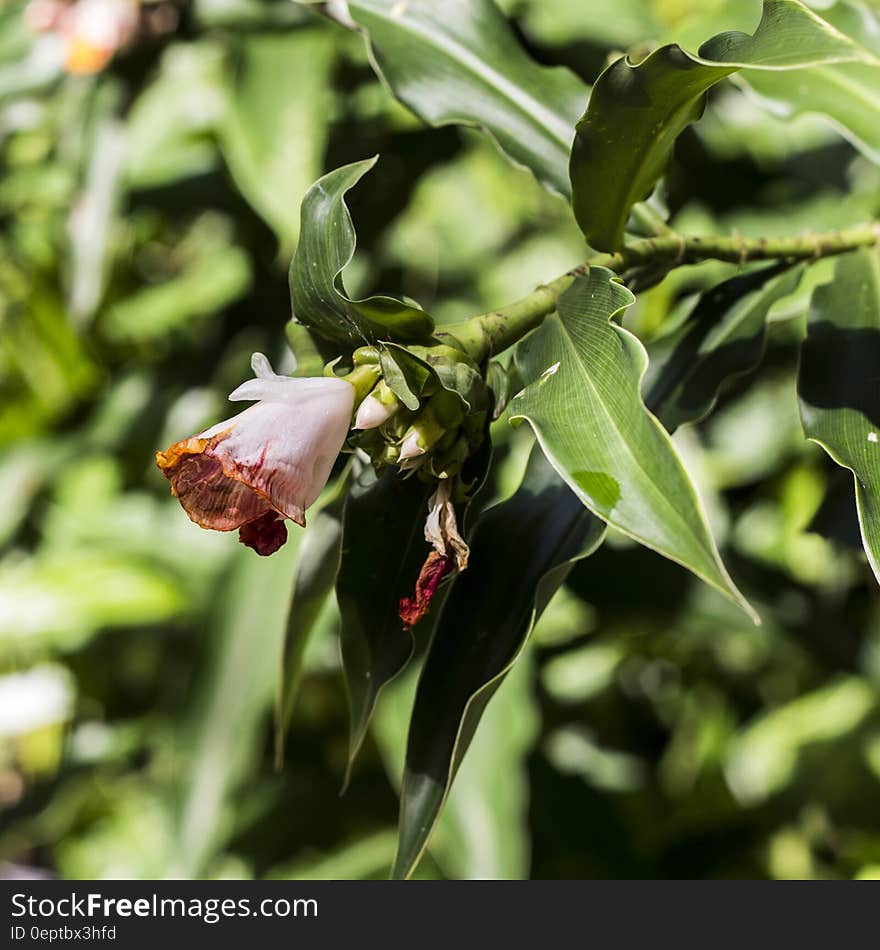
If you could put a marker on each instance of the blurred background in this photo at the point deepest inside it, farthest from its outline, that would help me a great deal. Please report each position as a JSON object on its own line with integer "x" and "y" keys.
{"x": 149, "y": 207}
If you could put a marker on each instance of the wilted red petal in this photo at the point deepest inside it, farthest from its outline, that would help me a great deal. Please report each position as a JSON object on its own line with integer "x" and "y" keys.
{"x": 434, "y": 570}
{"x": 265, "y": 534}
{"x": 212, "y": 495}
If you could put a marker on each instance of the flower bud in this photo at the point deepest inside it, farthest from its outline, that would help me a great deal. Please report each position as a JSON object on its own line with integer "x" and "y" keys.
{"x": 379, "y": 406}
{"x": 442, "y": 414}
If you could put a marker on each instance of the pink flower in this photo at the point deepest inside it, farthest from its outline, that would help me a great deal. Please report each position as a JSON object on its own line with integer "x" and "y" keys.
{"x": 266, "y": 464}
{"x": 95, "y": 30}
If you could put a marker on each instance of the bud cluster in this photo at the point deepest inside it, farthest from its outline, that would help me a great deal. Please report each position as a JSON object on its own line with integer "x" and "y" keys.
{"x": 435, "y": 438}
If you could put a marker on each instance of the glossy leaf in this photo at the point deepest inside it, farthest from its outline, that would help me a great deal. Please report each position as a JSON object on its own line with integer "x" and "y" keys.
{"x": 458, "y": 62}
{"x": 723, "y": 337}
{"x": 636, "y": 112}
{"x": 839, "y": 383}
{"x": 326, "y": 245}
{"x": 521, "y": 552}
{"x": 847, "y": 94}
{"x": 275, "y": 127}
{"x": 610, "y": 450}
{"x": 383, "y": 548}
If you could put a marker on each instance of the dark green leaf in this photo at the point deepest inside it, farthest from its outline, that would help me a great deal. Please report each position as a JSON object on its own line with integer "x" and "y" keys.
{"x": 636, "y": 112}
{"x": 383, "y": 548}
{"x": 839, "y": 383}
{"x": 722, "y": 338}
{"x": 326, "y": 245}
{"x": 458, "y": 62}
{"x": 521, "y": 552}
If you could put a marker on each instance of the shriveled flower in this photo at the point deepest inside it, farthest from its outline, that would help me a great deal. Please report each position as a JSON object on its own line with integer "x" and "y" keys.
{"x": 266, "y": 464}
{"x": 450, "y": 554}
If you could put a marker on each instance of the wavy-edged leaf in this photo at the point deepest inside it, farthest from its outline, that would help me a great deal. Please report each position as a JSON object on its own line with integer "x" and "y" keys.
{"x": 326, "y": 245}
{"x": 458, "y": 62}
{"x": 723, "y": 337}
{"x": 839, "y": 382}
{"x": 383, "y": 547}
{"x": 521, "y": 552}
{"x": 636, "y": 112}
{"x": 847, "y": 94}
{"x": 275, "y": 127}
{"x": 585, "y": 405}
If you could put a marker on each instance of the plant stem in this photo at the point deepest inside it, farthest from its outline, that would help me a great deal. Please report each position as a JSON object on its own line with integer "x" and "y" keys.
{"x": 492, "y": 332}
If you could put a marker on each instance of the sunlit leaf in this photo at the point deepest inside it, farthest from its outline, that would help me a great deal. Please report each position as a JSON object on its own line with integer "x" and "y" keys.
{"x": 235, "y": 693}
{"x": 839, "y": 383}
{"x": 847, "y": 94}
{"x": 458, "y": 62}
{"x": 636, "y": 112}
{"x": 585, "y": 406}
{"x": 275, "y": 127}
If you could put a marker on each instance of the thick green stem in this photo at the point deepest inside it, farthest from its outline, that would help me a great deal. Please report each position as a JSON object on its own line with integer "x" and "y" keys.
{"x": 492, "y": 332}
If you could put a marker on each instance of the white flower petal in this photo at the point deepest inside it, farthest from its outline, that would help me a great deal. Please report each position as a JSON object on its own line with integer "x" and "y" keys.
{"x": 273, "y": 458}
{"x": 262, "y": 367}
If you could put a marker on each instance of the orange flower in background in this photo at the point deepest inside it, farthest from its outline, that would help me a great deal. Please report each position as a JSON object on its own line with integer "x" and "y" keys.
{"x": 91, "y": 31}
{"x": 267, "y": 464}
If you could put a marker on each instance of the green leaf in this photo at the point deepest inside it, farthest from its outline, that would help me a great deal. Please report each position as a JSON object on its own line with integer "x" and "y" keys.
{"x": 316, "y": 569}
{"x": 848, "y": 94}
{"x": 383, "y": 548}
{"x": 585, "y": 406}
{"x": 235, "y": 692}
{"x": 311, "y": 352}
{"x": 636, "y": 112}
{"x": 170, "y": 125}
{"x": 495, "y": 847}
{"x": 458, "y": 62}
{"x": 521, "y": 552}
{"x": 723, "y": 337}
{"x": 839, "y": 382}
{"x": 326, "y": 245}
{"x": 275, "y": 128}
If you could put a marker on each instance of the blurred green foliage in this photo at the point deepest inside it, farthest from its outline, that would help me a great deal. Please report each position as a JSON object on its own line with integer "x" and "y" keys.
{"x": 148, "y": 217}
